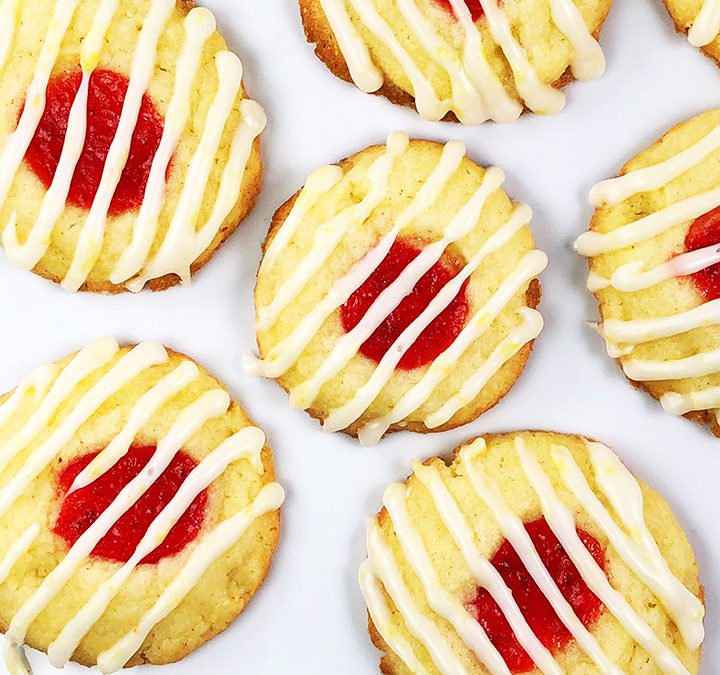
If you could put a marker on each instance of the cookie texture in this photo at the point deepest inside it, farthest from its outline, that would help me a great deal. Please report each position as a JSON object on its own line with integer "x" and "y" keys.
{"x": 652, "y": 254}
{"x": 129, "y": 397}
{"x": 336, "y": 242}
{"x": 200, "y": 167}
{"x": 695, "y": 19}
{"x": 471, "y": 63}
{"x": 430, "y": 547}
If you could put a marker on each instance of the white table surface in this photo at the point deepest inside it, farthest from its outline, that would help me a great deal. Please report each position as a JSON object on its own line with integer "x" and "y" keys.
{"x": 309, "y": 618}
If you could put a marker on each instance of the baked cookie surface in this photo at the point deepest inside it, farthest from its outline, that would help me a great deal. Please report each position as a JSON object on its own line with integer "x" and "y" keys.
{"x": 138, "y": 509}
{"x": 653, "y": 250}
{"x": 459, "y": 554}
{"x": 470, "y": 60}
{"x": 397, "y": 291}
{"x": 700, "y": 20}
{"x": 129, "y": 150}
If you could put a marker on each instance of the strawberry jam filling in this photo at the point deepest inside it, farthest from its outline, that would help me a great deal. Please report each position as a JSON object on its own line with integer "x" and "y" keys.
{"x": 476, "y": 10}
{"x": 438, "y": 335}
{"x": 83, "y": 507}
{"x": 705, "y": 231}
{"x": 534, "y": 606}
{"x": 106, "y": 95}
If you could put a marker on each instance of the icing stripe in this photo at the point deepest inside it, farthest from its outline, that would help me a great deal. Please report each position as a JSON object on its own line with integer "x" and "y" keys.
{"x": 215, "y": 544}
{"x": 631, "y": 277}
{"x": 49, "y": 400}
{"x": 595, "y": 243}
{"x": 482, "y": 570}
{"x": 526, "y": 332}
{"x": 562, "y": 523}
{"x": 476, "y": 91}
{"x": 348, "y": 345}
{"x": 698, "y": 365}
{"x": 246, "y": 444}
{"x": 90, "y": 240}
{"x": 199, "y": 25}
{"x": 28, "y": 254}
{"x": 330, "y": 233}
{"x": 381, "y": 618}
{"x": 8, "y": 18}
{"x": 514, "y": 531}
{"x": 285, "y": 354}
{"x": 679, "y": 404}
{"x": 385, "y": 568}
{"x": 616, "y": 190}
{"x": 706, "y": 26}
{"x": 440, "y": 600}
{"x": 18, "y": 549}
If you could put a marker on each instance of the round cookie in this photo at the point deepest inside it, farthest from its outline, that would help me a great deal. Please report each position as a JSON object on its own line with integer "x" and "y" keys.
{"x": 465, "y": 60}
{"x": 397, "y": 291}
{"x": 700, "y": 20}
{"x": 129, "y": 150}
{"x": 138, "y": 508}
{"x": 459, "y": 554}
{"x": 653, "y": 249}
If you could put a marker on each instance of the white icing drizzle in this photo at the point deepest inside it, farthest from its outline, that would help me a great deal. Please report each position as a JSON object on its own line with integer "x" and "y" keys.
{"x": 476, "y": 92}
{"x": 219, "y": 541}
{"x": 199, "y": 26}
{"x": 330, "y": 233}
{"x": 381, "y": 618}
{"x": 563, "y": 525}
{"x": 347, "y": 346}
{"x": 183, "y": 244}
{"x": 482, "y": 570}
{"x": 706, "y": 26}
{"x": 622, "y": 336}
{"x": 441, "y": 601}
{"x": 514, "y": 531}
{"x": 285, "y": 354}
{"x": 247, "y": 444}
{"x": 385, "y": 569}
{"x": 634, "y": 544}
{"x": 8, "y": 18}
{"x": 28, "y": 254}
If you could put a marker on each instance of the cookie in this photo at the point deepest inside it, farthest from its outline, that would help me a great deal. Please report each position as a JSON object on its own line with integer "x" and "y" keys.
{"x": 653, "y": 249}
{"x": 138, "y": 509}
{"x": 700, "y": 20}
{"x": 397, "y": 291}
{"x": 129, "y": 150}
{"x": 465, "y": 60}
{"x": 460, "y": 552}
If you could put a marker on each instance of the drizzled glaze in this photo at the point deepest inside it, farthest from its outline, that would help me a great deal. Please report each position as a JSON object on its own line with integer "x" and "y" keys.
{"x": 382, "y": 581}
{"x": 49, "y": 388}
{"x": 622, "y": 336}
{"x": 706, "y": 26}
{"x": 476, "y": 91}
{"x": 186, "y": 239}
{"x": 329, "y": 235}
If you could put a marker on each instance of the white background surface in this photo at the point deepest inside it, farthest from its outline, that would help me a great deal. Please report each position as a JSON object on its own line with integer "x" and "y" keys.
{"x": 309, "y": 617}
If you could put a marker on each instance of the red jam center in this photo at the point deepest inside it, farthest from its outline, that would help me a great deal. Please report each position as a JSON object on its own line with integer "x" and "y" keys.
{"x": 441, "y": 332}
{"x": 83, "y": 507}
{"x": 476, "y": 10}
{"x": 535, "y": 608}
{"x": 106, "y": 95}
{"x": 705, "y": 231}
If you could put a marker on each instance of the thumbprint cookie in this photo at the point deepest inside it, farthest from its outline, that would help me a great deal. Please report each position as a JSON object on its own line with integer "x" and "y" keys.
{"x": 700, "y": 20}
{"x": 465, "y": 60}
{"x": 398, "y": 290}
{"x": 138, "y": 509}
{"x": 531, "y": 552}
{"x": 654, "y": 250}
{"x": 128, "y": 148}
